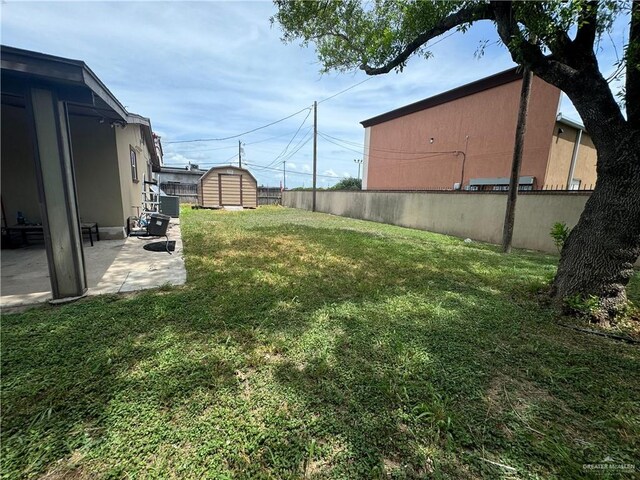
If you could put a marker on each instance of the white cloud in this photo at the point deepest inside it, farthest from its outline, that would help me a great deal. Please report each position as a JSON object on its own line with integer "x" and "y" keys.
{"x": 216, "y": 69}
{"x": 330, "y": 173}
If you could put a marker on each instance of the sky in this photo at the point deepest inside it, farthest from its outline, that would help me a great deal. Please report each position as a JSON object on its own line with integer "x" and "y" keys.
{"x": 203, "y": 70}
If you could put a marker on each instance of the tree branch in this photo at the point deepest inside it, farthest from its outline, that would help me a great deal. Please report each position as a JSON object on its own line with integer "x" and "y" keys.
{"x": 632, "y": 83}
{"x": 462, "y": 16}
{"x": 526, "y": 53}
{"x": 587, "y": 27}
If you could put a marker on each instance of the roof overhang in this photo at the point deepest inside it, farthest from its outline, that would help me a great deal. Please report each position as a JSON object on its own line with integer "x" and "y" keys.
{"x": 73, "y": 77}
{"x": 567, "y": 121}
{"x": 486, "y": 83}
{"x": 228, "y": 168}
{"x": 74, "y": 82}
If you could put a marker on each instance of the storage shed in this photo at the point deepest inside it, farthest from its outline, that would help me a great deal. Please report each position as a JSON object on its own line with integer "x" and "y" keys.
{"x": 228, "y": 187}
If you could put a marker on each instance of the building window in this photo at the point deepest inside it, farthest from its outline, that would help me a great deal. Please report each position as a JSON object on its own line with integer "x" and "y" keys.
{"x": 134, "y": 164}
{"x": 501, "y": 188}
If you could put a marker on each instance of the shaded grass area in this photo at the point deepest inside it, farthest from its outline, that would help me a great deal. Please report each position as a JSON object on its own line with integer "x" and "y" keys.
{"x": 312, "y": 346}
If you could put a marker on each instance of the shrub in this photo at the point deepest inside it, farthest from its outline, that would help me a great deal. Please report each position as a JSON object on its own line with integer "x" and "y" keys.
{"x": 559, "y": 232}
{"x": 348, "y": 184}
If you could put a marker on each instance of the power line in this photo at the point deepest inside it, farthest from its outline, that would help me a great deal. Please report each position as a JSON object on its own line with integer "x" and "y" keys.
{"x": 292, "y": 139}
{"x": 270, "y": 138}
{"x": 272, "y": 123}
{"x": 260, "y": 167}
{"x": 240, "y": 134}
{"x": 345, "y": 90}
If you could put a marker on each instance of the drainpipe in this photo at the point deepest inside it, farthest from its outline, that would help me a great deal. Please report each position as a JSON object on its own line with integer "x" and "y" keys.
{"x": 574, "y": 158}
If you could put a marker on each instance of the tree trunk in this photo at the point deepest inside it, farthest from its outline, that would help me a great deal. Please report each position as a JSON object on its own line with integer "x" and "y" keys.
{"x": 514, "y": 180}
{"x": 597, "y": 258}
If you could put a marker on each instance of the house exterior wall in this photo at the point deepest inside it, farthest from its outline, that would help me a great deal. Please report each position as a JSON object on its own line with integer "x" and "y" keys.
{"x": 128, "y": 137}
{"x": 19, "y": 188}
{"x": 560, "y": 158}
{"x": 97, "y": 172}
{"x": 488, "y": 118}
{"x": 97, "y": 167}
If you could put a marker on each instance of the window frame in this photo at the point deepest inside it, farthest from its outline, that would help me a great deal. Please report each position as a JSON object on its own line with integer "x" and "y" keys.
{"x": 133, "y": 160}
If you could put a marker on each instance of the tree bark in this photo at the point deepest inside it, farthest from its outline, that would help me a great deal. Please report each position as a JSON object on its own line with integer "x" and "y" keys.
{"x": 514, "y": 180}
{"x": 597, "y": 258}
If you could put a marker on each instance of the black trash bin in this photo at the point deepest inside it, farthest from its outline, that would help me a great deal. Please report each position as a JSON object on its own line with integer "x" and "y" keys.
{"x": 158, "y": 225}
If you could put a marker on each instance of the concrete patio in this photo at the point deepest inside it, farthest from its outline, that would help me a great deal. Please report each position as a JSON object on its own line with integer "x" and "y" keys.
{"x": 112, "y": 266}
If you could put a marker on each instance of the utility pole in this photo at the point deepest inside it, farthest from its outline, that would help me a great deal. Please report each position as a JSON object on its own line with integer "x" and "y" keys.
{"x": 359, "y": 162}
{"x": 284, "y": 175}
{"x": 315, "y": 153}
{"x": 240, "y": 153}
{"x": 514, "y": 181}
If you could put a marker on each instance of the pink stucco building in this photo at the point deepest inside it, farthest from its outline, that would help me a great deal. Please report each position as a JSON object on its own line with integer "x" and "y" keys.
{"x": 464, "y": 138}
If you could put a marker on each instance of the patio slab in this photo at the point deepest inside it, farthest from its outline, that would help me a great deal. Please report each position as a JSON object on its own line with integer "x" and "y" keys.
{"x": 112, "y": 266}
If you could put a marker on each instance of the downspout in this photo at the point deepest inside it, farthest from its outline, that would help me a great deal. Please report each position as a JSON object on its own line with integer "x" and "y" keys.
{"x": 574, "y": 158}
{"x": 464, "y": 159}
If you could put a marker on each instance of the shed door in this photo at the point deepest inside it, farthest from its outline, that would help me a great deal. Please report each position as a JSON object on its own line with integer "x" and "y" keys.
{"x": 230, "y": 189}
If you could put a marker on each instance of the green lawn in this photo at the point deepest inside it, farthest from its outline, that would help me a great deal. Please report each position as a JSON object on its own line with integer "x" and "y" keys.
{"x": 312, "y": 346}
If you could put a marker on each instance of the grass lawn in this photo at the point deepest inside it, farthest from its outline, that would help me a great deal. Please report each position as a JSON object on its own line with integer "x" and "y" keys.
{"x": 312, "y": 346}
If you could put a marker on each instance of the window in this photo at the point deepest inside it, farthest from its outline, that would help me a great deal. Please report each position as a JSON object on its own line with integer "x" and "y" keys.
{"x": 134, "y": 164}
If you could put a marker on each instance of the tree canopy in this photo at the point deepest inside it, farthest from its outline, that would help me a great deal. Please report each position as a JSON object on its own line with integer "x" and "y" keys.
{"x": 349, "y": 183}
{"x": 381, "y": 36}
{"x": 557, "y": 41}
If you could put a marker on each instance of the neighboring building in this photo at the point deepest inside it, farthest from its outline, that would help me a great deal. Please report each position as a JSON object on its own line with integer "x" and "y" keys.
{"x": 71, "y": 153}
{"x": 181, "y": 182}
{"x": 464, "y": 138}
{"x": 228, "y": 187}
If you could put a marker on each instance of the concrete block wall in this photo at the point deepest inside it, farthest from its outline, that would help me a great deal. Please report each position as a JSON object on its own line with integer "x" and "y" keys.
{"x": 478, "y": 216}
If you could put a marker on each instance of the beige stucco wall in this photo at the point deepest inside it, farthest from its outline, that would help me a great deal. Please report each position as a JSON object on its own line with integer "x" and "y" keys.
{"x": 561, "y": 154}
{"x": 19, "y": 189}
{"x": 97, "y": 173}
{"x": 489, "y": 120}
{"x": 101, "y": 161}
{"x": 126, "y": 137}
{"x": 478, "y": 216}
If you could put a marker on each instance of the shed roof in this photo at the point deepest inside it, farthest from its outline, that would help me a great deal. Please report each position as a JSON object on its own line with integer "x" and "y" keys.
{"x": 486, "y": 83}
{"x": 228, "y": 167}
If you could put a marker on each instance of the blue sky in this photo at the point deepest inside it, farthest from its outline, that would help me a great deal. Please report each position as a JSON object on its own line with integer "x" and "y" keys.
{"x": 216, "y": 69}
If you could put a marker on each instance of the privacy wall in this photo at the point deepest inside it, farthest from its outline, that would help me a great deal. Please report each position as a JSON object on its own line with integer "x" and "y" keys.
{"x": 475, "y": 215}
